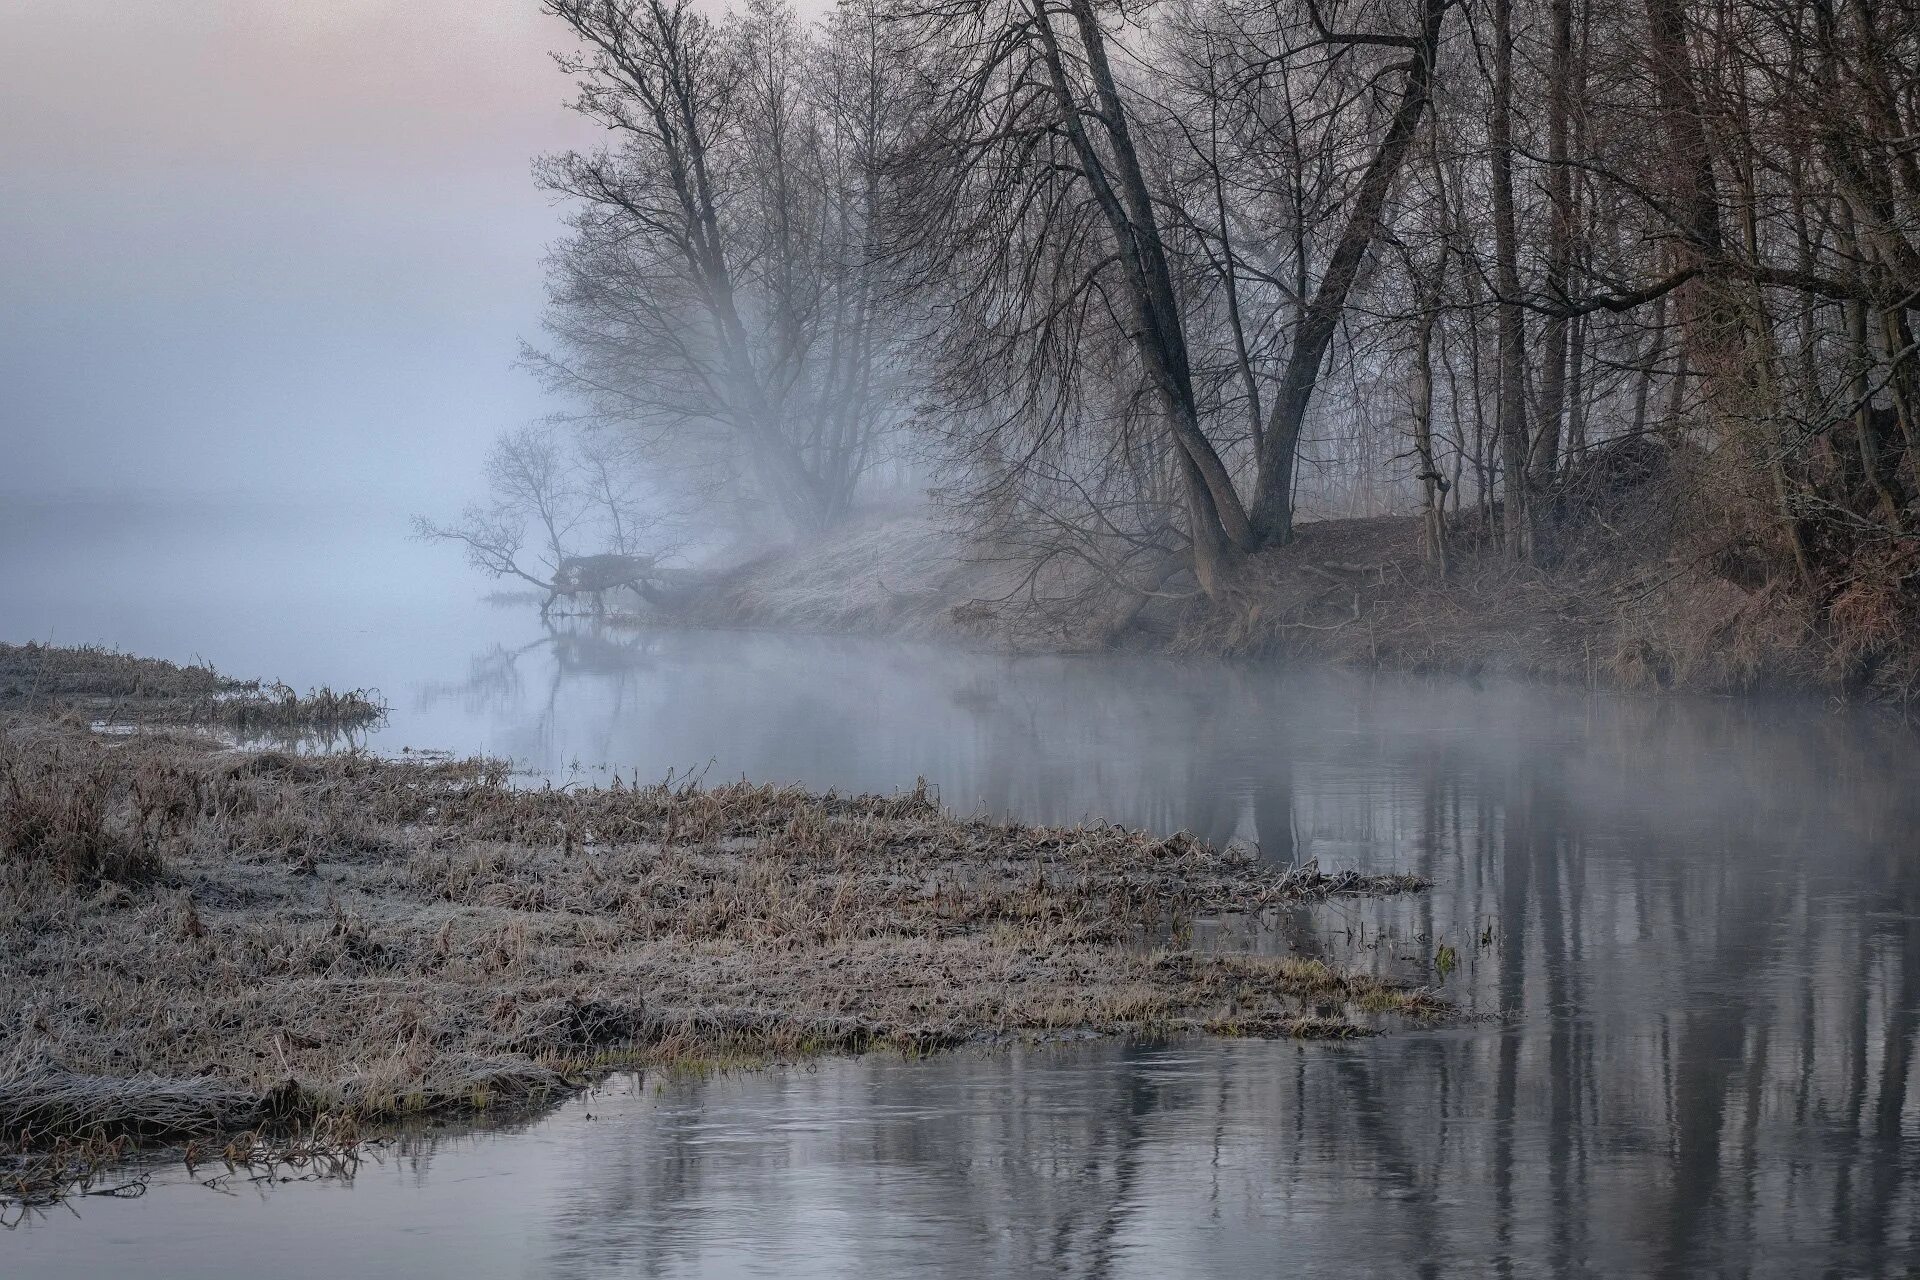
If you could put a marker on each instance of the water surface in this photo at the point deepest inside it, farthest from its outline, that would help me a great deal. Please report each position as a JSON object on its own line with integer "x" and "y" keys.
{"x": 1692, "y": 922}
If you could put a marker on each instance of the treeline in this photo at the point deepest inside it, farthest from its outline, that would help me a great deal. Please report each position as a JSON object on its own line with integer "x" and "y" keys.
{"x": 1145, "y": 284}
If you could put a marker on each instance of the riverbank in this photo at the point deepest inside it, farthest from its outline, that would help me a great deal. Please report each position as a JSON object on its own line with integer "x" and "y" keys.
{"x": 1636, "y": 603}
{"x": 251, "y": 952}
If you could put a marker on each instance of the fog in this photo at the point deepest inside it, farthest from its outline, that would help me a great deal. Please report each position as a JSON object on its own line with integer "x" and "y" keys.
{"x": 266, "y": 272}
{"x": 250, "y": 246}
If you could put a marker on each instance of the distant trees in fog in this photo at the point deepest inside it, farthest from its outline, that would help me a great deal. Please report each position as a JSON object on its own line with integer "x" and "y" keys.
{"x": 718, "y": 298}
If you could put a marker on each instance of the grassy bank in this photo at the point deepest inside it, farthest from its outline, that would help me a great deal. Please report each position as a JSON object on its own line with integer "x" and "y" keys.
{"x": 119, "y": 689}
{"x": 245, "y": 949}
{"x": 1626, "y": 594}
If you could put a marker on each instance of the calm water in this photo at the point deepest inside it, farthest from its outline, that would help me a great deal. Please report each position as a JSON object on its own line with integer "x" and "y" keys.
{"x": 1697, "y": 926}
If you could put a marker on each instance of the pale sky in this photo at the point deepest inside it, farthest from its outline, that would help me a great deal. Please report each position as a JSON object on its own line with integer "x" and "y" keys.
{"x": 269, "y": 243}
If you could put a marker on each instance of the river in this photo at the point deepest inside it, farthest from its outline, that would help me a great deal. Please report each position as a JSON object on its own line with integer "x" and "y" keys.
{"x": 1689, "y": 930}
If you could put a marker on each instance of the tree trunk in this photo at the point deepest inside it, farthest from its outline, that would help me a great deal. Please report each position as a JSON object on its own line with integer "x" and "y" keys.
{"x": 1511, "y": 421}
{"x": 1219, "y": 524}
{"x": 1866, "y": 430}
{"x": 1656, "y": 349}
{"x": 1272, "y": 509}
{"x": 1695, "y": 191}
{"x": 1554, "y": 375}
{"x": 1576, "y": 443}
{"x": 1433, "y": 485}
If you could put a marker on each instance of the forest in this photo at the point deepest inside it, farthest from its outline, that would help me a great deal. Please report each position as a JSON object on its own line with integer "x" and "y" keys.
{"x": 1609, "y": 301}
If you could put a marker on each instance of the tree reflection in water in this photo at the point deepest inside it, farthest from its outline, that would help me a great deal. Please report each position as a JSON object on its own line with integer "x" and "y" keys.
{"x": 1694, "y": 924}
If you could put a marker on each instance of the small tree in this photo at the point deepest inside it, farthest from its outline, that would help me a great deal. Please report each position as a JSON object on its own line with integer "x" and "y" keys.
{"x": 572, "y": 495}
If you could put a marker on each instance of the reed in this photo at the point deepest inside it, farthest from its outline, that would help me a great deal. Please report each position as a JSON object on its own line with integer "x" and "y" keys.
{"x": 104, "y": 685}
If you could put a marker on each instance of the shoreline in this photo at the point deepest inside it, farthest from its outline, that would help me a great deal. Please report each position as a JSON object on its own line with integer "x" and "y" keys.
{"x": 255, "y": 954}
{"x": 1353, "y": 593}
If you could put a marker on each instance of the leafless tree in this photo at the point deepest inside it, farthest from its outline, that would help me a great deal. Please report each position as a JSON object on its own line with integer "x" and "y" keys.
{"x": 578, "y": 499}
{"x": 1055, "y": 236}
{"x": 714, "y": 300}
{"x": 1157, "y": 280}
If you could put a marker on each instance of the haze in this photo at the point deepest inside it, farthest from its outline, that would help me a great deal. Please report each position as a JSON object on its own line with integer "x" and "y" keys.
{"x": 614, "y": 616}
{"x": 248, "y": 246}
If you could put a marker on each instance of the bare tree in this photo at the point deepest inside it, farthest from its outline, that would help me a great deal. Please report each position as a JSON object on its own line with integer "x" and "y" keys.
{"x": 561, "y": 491}
{"x": 714, "y": 301}
{"x": 1037, "y": 213}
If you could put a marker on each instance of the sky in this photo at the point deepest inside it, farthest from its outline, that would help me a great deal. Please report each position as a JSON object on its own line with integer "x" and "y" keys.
{"x": 270, "y": 246}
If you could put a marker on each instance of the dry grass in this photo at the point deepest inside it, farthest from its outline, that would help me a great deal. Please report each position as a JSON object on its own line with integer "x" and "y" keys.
{"x": 58, "y": 808}
{"x": 341, "y": 937}
{"x": 120, "y": 688}
{"x": 1635, "y": 589}
{"x": 1641, "y": 584}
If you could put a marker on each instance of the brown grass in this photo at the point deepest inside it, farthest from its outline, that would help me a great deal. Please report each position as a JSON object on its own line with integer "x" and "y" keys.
{"x": 58, "y": 812}
{"x": 1636, "y": 587}
{"x": 357, "y": 939}
{"x": 1643, "y": 582}
{"x": 118, "y": 688}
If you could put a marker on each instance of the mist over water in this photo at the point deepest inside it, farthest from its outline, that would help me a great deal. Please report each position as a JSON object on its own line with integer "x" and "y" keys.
{"x": 276, "y": 278}
{"x": 1690, "y": 926}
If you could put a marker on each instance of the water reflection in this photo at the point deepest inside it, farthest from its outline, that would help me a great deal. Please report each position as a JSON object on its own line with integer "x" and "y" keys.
{"x": 1693, "y": 922}
{"x": 1698, "y": 920}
